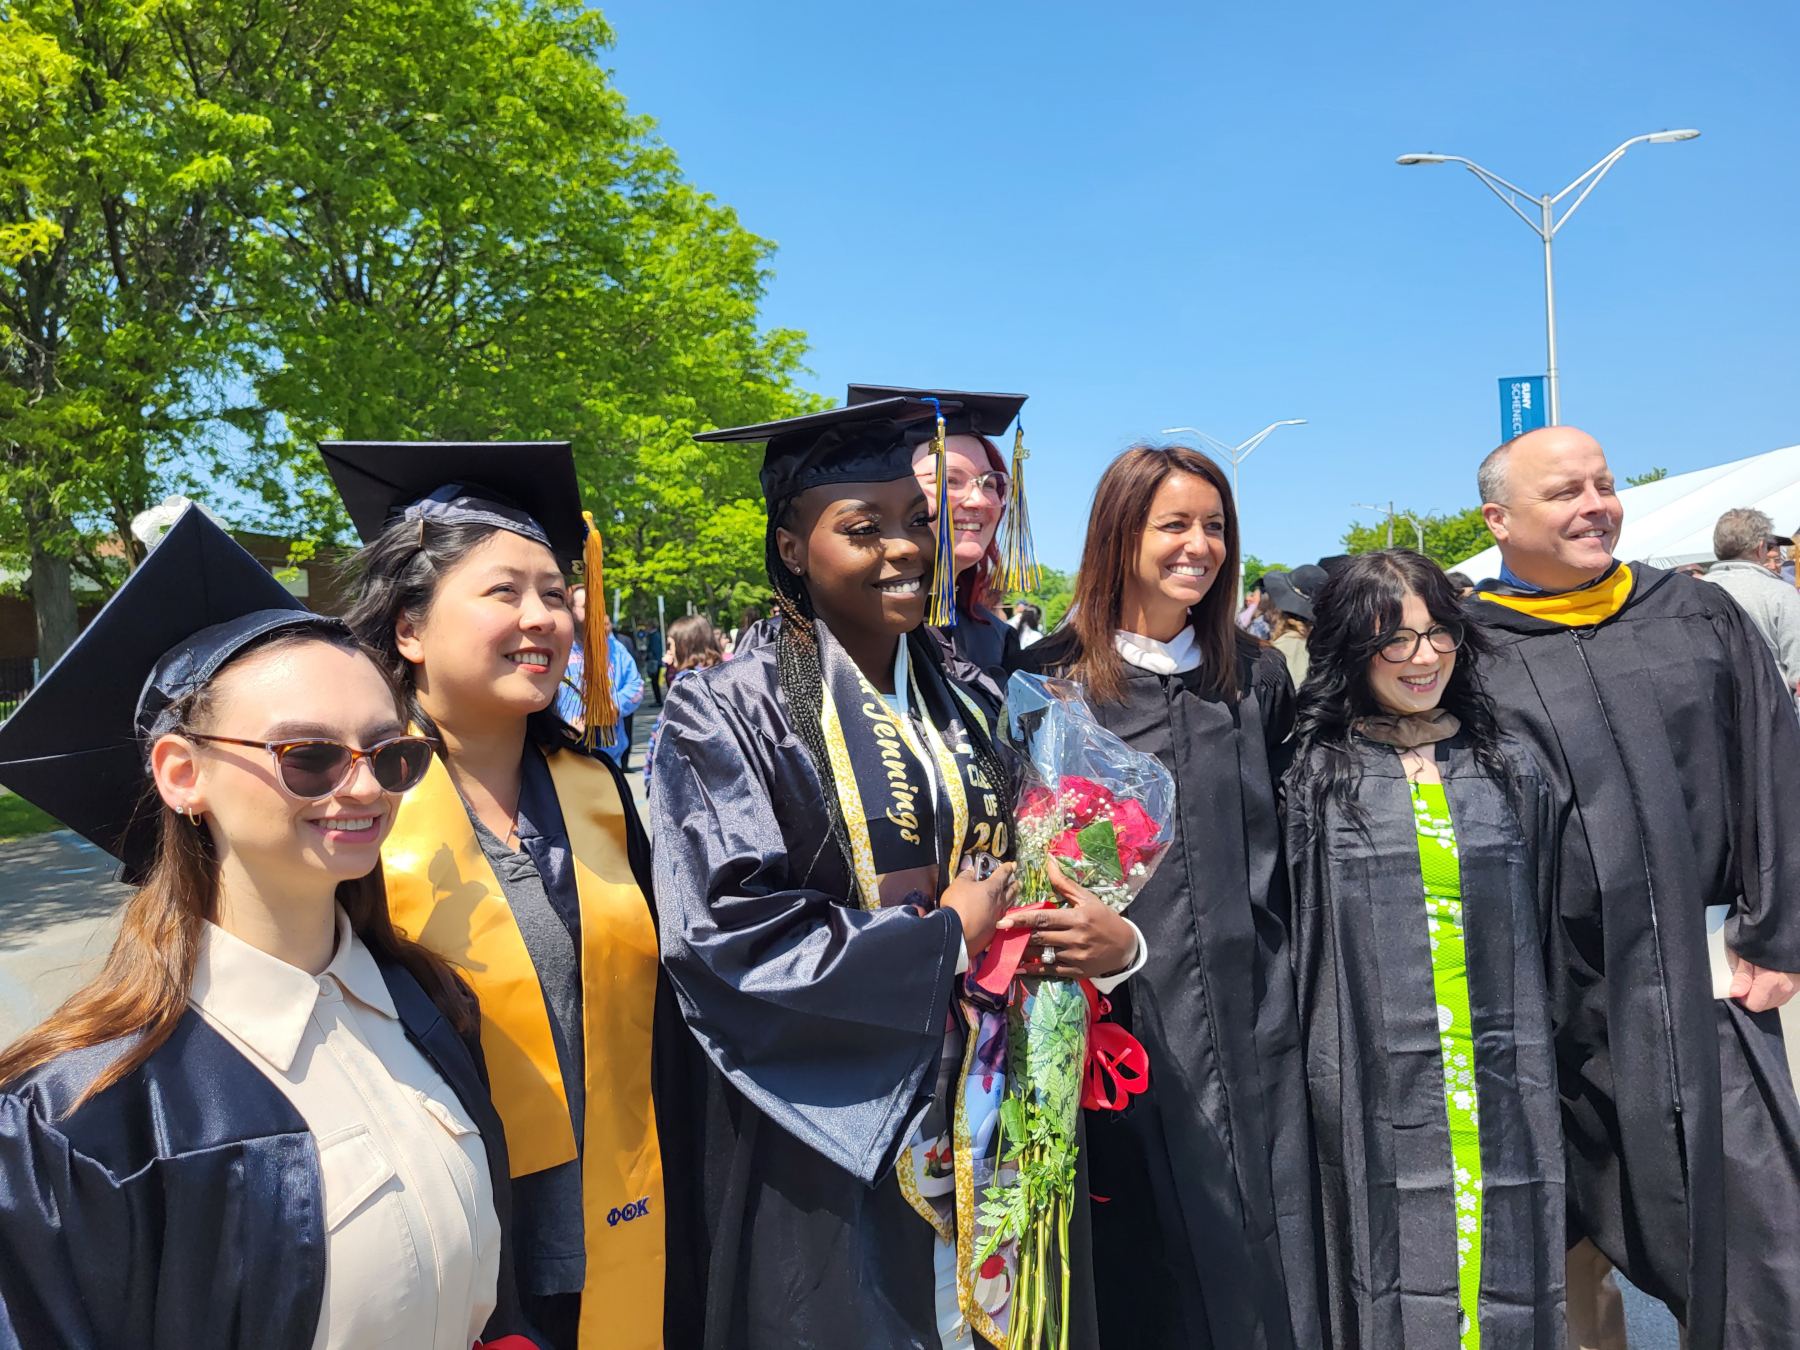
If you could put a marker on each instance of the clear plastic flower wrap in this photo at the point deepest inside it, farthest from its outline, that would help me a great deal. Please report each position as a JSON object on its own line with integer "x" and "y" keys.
{"x": 1106, "y": 813}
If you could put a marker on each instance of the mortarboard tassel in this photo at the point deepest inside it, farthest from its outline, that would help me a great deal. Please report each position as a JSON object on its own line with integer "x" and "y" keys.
{"x": 1018, "y": 558}
{"x": 943, "y": 574}
{"x": 600, "y": 713}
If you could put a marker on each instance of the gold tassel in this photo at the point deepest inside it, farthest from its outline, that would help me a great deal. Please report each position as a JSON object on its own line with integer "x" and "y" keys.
{"x": 943, "y": 576}
{"x": 1019, "y": 569}
{"x": 600, "y": 713}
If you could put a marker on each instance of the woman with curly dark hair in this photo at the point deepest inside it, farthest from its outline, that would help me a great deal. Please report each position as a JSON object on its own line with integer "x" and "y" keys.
{"x": 1421, "y": 845}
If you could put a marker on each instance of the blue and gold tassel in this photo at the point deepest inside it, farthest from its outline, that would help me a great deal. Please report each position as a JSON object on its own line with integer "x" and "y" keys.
{"x": 1018, "y": 558}
{"x": 943, "y": 573}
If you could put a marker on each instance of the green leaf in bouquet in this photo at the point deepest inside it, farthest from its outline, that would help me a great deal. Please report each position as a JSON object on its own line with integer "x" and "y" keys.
{"x": 1012, "y": 1122}
{"x": 1100, "y": 846}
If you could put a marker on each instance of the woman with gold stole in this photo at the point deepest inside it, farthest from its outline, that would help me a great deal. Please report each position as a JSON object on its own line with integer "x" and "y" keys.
{"x": 830, "y": 810}
{"x": 521, "y": 860}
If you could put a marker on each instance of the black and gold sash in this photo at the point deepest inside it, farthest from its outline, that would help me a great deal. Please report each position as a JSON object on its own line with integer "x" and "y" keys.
{"x": 916, "y": 804}
{"x": 442, "y": 891}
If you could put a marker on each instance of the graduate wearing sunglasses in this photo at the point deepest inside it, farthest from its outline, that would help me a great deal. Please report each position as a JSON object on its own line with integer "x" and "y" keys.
{"x": 520, "y": 859}
{"x": 266, "y": 1123}
{"x": 1421, "y": 844}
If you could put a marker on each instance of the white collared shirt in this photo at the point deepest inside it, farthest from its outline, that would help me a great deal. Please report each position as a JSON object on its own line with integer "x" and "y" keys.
{"x": 412, "y": 1251}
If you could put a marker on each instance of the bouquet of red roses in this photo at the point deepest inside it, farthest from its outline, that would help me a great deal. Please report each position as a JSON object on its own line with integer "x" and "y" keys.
{"x": 1105, "y": 812}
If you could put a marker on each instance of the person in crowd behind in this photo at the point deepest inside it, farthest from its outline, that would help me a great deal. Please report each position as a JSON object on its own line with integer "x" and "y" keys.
{"x": 693, "y": 646}
{"x": 1749, "y": 571}
{"x": 1461, "y": 584}
{"x": 653, "y": 660}
{"x": 1421, "y": 844}
{"x": 1651, "y": 703}
{"x": 1206, "y": 1238}
{"x": 828, "y": 806}
{"x": 979, "y": 486}
{"x": 621, "y": 669}
{"x": 520, "y": 859}
{"x": 1253, "y": 603}
{"x": 1029, "y": 620}
{"x": 1290, "y": 596}
{"x": 748, "y": 619}
{"x": 265, "y": 1125}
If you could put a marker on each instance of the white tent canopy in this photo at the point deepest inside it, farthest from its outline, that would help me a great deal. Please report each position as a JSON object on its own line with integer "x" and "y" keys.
{"x": 1671, "y": 521}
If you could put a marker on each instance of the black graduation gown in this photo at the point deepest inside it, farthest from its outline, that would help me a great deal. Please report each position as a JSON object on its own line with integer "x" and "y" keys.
{"x": 1206, "y": 1236}
{"x": 1369, "y": 1029}
{"x": 182, "y": 1208}
{"x": 1668, "y": 726}
{"x": 987, "y": 641}
{"x": 823, "y": 1024}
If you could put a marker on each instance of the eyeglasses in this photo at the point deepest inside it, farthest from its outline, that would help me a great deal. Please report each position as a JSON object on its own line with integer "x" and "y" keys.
{"x": 1400, "y": 646}
{"x": 991, "y": 485}
{"x": 313, "y": 769}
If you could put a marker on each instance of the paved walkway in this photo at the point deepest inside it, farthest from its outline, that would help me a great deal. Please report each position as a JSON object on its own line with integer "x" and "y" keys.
{"x": 59, "y": 911}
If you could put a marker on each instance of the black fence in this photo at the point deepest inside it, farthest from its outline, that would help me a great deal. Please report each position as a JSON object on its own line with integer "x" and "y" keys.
{"x": 17, "y": 675}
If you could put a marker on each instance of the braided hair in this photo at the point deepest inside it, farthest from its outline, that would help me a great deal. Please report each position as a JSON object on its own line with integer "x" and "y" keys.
{"x": 802, "y": 679}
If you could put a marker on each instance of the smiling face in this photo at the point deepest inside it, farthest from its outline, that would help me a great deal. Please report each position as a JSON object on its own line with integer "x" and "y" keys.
{"x": 865, "y": 551}
{"x": 1180, "y": 556}
{"x": 497, "y": 637}
{"x": 307, "y": 690}
{"x": 1561, "y": 520}
{"x": 1415, "y": 685}
{"x": 975, "y": 511}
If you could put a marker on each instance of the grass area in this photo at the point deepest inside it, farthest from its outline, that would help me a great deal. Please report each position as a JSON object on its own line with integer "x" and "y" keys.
{"x": 19, "y": 818}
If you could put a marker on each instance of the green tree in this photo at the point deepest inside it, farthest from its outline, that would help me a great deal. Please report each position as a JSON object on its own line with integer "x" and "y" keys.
{"x": 1449, "y": 539}
{"x": 1254, "y": 567}
{"x": 1649, "y": 476}
{"x": 120, "y": 178}
{"x": 480, "y": 242}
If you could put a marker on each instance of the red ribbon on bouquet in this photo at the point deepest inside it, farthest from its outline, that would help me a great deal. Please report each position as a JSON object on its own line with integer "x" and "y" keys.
{"x": 506, "y": 1343}
{"x": 1001, "y": 961}
{"x": 1118, "y": 1066}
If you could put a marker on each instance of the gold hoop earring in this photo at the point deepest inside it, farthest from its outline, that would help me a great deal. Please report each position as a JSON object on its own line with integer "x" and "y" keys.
{"x": 193, "y": 817}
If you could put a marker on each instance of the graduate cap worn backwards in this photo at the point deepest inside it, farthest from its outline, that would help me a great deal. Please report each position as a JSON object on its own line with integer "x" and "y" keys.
{"x": 77, "y": 747}
{"x": 525, "y": 487}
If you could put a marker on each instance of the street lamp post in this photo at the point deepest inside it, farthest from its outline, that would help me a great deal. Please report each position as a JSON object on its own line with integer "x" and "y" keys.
{"x": 1547, "y": 225}
{"x": 1237, "y": 454}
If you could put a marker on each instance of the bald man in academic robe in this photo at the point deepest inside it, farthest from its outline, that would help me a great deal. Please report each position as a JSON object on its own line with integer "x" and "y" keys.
{"x": 1652, "y": 702}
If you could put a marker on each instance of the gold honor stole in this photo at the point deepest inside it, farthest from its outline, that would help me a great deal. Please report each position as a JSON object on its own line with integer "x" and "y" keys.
{"x": 1577, "y": 609}
{"x": 442, "y": 891}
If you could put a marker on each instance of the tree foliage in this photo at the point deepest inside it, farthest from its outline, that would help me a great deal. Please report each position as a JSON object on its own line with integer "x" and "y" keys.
{"x": 1449, "y": 539}
{"x": 1648, "y": 476}
{"x": 233, "y": 228}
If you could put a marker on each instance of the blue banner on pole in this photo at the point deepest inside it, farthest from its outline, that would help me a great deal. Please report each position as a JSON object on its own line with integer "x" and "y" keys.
{"x": 1523, "y": 405}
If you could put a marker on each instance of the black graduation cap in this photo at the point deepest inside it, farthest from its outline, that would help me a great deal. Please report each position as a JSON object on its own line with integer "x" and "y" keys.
{"x": 527, "y": 487}
{"x": 965, "y": 414}
{"x": 867, "y": 443}
{"x": 77, "y": 745}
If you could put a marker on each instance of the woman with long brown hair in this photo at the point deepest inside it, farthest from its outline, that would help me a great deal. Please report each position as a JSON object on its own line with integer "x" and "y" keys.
{"x": 1205, "y": 1235}
{"x": 266, "y": 1124}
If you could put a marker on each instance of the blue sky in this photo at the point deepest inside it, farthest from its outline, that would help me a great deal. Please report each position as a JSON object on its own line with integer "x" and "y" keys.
{"x": 1147, "y": 215}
